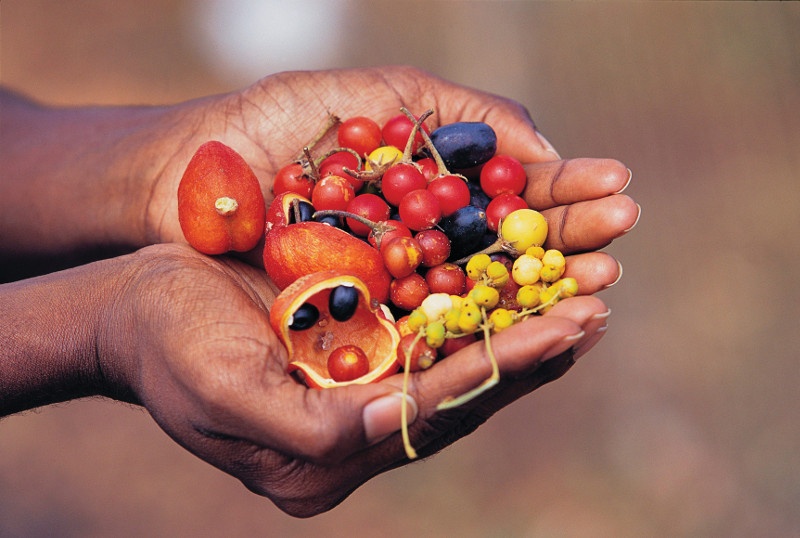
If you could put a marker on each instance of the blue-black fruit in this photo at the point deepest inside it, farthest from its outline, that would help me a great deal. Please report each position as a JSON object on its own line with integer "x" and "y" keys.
{"x": 464, "y": 144}
{"x": 477, "y": 197}
{"x": 304, "y": 317}
{"x": 465, "y": 228}
{"x": 342, "y": 302}
{"x": 302, "y": 212}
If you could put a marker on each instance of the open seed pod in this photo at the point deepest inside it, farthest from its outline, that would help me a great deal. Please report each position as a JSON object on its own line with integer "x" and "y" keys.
{"x": 324, "y": 311}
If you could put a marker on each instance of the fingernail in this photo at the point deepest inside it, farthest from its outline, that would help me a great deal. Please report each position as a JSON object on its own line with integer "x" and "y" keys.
{"x": 619, "y": 276}
{"x": 382, "y": 416}
{"x": 582, "y": 349}
{"x": 638, "y": 216}
{"x": 602, "y": 315}
{"x": 630, "y": 176}
{"x": 546, "y": 143}
{"x": 562, "y": 346}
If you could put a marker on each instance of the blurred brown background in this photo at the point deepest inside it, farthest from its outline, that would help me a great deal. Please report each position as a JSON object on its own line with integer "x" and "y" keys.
{"x": 682, "y": 422}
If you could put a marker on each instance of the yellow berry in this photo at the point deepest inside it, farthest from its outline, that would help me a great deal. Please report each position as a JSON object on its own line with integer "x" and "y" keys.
{"x": 498, "y": 274}
{"x": 500, "y": 318}
{"x": 485, "y": 296}
{"x": 383, "y": 156}
{"x": 434, "y": 334}
{"x": 477, "y": 265}
{"x": 451, "y": 320}
{"x": 554, "y": 257}
{"x": 456, "y": 300}
{"x": 416, "y": 320}
{"x": 528, "y": 295}
{"x": 525, "y": 270}
{"x": 524, "y": 228}
{"x": 548, "y": 298}
{"x": 470, "y": 318}
{"x": 551, "y": 273}
{"x": 536, "y": 252}
{"x": 567, "y": 287}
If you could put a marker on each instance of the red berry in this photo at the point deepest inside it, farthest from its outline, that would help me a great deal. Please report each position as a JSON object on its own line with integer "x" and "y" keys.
{"x": 332, "y": 192}
{"x": 397, "y": 130}
{"x": 335, "y": 163}
{"x": 428, "y": 168}
{"x": 452, "y": 192}
{"x": 399, "y": 180}
{"x": 435, "y": 246}
{"x": 369, "y": 206}
{"x": 361, "y": 134}
{"x": 381, "y": 239}
{"x": 347, "y": 363}
{"x": 292, "y": 178}
{"x": 501, "y": 174}
{"x": 501, "y": 206}
{"x": 446, "y": 278}
{"x": 420, "y": 210}
{"x": 421, "y": 354}
{"x": 401, "y": 256}
{"x": 408, "y": 292}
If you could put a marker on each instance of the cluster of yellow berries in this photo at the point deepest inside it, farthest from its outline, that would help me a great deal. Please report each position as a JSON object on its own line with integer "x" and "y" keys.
{"x": 538, "y": 274}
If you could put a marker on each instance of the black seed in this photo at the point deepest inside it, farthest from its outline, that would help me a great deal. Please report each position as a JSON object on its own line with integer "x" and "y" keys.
{"x": 304, "y": 317}
{"x": 304, "y": 210}
{"x": 331, "y": 220}
{"x": 342, "y": 302}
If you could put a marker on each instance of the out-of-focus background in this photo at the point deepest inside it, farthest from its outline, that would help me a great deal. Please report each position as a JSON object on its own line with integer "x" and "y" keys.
{"x": 684, "y": 421}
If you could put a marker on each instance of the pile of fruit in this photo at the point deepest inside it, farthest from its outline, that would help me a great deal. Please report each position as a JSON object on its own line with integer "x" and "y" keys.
{"x": 393, "y": 250}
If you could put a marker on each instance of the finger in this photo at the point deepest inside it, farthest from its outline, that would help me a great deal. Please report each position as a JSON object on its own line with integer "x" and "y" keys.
{"x": 590, "y": 225}
{"x": 524, "y": 352}
{"x": 594, "y": 271}
{"x": 517, "y": 349}
{"x": 565, "y": 182}
{"x": 517, "y": 135}
{"x": 512, "y": 123}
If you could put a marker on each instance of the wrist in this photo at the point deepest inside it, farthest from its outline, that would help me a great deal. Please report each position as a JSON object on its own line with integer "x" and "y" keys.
{"x": 78, "y": 181}
{"x": 50, "y": 331}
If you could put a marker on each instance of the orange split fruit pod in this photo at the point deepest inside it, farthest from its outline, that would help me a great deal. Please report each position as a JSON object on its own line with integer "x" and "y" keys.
{"x": 220, "y": 204}
{"x": 296, "y": 250}
{"x": 321, "y": 314}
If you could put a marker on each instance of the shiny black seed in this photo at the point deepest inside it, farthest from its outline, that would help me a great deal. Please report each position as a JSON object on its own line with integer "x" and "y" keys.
{"x": 331, "y": 220}
{"x": 342, "y": 302}
{"x": 304, "y": 317}
{"x": 303, "y": 210}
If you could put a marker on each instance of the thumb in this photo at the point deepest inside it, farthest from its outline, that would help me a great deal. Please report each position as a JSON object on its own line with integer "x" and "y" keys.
{"x": 324, "y": 425}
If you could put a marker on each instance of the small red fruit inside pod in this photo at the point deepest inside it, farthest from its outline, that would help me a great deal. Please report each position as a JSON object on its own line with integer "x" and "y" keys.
{"x": 220, "y": 204}
{"x": 300, "y": 249}
{"x": 310, "y": 346}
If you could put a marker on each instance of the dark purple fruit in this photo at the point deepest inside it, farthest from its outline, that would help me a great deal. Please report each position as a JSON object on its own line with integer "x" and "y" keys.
{"x": 477, "y": 197}
{"x": 464, "y": 144}
{"x": 466, "y": 229}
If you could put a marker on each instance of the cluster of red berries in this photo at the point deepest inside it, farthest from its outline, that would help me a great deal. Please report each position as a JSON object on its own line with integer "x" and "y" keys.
{"x": 425, "y": 199}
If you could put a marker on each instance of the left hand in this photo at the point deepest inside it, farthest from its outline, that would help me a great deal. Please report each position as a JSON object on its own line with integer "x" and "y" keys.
{"x": 188, "y": 337}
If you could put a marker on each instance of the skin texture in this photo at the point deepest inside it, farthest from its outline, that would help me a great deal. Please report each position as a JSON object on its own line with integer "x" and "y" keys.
{"x": 187, "y": 335}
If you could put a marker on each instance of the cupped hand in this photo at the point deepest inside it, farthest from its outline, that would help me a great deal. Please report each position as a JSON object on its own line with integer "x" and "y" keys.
{"x": 271, "y": 121}
{"x": 192, "y": 343}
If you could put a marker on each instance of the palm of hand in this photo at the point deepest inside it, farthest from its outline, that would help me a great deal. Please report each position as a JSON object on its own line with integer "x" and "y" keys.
{"x": 270, "y": 122}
